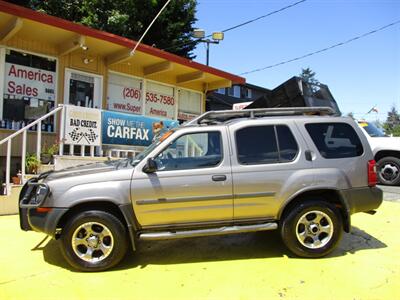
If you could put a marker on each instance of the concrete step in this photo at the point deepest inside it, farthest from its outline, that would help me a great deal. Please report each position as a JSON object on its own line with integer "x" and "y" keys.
{"x": 9, "y": 204}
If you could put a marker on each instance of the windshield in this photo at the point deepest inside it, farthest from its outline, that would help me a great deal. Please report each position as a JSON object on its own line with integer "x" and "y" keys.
{"x": 138, "y": 158}
{"x": 372, "y": 130}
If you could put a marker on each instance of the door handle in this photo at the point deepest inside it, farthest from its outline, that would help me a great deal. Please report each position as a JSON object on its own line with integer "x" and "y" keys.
{"x": 218, "y": 177}
{"x": 308, "y": 154}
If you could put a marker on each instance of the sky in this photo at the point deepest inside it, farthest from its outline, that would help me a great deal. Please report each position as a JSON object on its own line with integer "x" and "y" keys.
{"x": 360, "y": 75}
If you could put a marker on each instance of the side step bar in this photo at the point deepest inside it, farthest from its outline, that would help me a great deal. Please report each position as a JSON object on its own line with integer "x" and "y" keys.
{"x": 162, "y": 235}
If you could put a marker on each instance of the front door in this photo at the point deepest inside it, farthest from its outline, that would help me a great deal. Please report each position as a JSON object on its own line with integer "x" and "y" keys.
{"x": 192, "y": 184}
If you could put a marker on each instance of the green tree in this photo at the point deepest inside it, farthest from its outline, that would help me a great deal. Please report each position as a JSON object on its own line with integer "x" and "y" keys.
{"x": 308, "y": 76}
{"x": 130, "y": 18}
{"x": 392, "y": 124}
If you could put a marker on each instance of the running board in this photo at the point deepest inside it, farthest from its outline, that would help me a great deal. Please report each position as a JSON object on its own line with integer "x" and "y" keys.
{"x": 163, "y": 235}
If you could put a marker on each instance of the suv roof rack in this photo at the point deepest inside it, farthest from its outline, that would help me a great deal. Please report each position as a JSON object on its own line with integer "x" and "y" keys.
{"x": 226, "y": 115}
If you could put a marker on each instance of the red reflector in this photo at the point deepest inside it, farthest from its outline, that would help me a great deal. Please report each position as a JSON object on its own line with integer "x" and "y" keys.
{"x": 372, "y": 177}
{"x": 43, "y": 209}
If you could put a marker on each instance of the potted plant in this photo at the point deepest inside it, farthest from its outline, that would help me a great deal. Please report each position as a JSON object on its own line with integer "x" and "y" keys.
{"x": 48, "y": 152}
{"x": 31, "y": 163}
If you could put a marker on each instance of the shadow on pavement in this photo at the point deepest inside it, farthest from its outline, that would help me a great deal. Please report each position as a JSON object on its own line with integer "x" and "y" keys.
{"x": 216, "y": 248}
{"x": 355, "y": 241}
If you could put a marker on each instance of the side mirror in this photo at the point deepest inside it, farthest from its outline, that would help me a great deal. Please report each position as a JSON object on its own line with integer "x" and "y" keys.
{"x": 150, "y": 167}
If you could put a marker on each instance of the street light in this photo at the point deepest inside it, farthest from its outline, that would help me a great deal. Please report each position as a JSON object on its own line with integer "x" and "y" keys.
{"x": 216, "y": 37}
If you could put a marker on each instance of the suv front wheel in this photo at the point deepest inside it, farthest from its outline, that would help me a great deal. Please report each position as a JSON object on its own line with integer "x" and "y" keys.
{"x": 94, "y": 241}
{"x": 312, "y": 229}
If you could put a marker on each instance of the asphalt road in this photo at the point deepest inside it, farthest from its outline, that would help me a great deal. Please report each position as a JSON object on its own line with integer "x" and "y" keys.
{"x": 391, "y": 193}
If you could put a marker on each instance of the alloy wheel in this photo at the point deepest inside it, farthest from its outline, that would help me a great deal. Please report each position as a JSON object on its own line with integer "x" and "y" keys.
{"x": 314, "y": 229}
{"x": 92, "y": 242}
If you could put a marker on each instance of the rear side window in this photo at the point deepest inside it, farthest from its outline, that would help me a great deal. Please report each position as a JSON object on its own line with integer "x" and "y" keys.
{"x": 335, "y": 140}
{"x": 265, "y": 145}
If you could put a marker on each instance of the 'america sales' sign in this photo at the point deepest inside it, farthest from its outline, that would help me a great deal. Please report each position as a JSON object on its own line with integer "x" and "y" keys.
{"x": 30, "y": 82}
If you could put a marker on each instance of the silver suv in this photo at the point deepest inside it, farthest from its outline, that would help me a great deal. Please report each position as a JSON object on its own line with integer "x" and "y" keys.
{"x": 299, "y": 170}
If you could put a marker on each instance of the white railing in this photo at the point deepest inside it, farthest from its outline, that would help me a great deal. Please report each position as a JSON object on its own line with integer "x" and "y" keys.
{"x": 24, "y": 130}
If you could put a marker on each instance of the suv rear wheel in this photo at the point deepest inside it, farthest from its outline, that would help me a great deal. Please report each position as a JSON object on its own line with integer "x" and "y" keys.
{"x": 94, "y": 241}
{"x": 312, "y": 229}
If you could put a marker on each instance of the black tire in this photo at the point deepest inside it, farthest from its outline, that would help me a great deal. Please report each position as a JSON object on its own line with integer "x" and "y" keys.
{"x": 293, "y": 229}
{"x": 388, "y": 169}
{"x": 109, "y": 241}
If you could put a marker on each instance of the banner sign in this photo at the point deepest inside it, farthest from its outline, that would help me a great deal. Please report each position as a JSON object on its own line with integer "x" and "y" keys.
{"x": 82, "y": 126}
{"x": 240, "y": 106}
{"x": 31, "y": 82}
{"x": 160, "y": 101}
{"x": 124, "y": 94}
{"x": 127, "y": 129}
{"x": 186, "y": 116}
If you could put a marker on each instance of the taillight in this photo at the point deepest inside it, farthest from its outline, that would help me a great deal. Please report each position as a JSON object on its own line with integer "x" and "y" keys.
{"x": 372, "y": 178}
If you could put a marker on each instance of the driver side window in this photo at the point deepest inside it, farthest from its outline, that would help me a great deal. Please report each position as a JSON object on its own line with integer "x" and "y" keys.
{"x": 191, "y": 151}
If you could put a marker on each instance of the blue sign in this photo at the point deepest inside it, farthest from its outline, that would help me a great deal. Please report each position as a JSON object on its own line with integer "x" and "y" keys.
{"x": 135, "y": 130}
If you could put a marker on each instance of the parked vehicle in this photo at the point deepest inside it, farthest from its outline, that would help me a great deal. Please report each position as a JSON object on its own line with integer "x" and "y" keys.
{"x": 386, "y": 152}
{"x": 223, "y": 172}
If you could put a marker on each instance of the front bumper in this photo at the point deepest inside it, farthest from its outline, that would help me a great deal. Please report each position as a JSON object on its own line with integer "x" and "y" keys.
{"x": 362, "y": 199}
{"x": 31, "y": 198}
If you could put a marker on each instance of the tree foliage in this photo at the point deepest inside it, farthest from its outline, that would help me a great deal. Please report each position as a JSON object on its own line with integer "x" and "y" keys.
{"x": 130, "y": 18}
{"x": 308, "y": 76}
{"x": 392, "y": 124}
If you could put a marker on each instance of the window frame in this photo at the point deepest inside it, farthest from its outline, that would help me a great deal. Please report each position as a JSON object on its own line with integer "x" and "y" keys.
{"x": 190, "y": 133}
{"x": 277, "y": 145}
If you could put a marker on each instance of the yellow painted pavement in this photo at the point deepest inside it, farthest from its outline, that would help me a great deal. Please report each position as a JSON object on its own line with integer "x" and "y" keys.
{"x": 366, "y": 265}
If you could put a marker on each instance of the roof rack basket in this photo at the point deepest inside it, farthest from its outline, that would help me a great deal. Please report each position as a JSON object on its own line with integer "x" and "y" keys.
{"x": 225, "y": 115}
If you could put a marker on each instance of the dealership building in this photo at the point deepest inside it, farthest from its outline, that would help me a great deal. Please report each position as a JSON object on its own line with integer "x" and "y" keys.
{"x": 47, "y": 61}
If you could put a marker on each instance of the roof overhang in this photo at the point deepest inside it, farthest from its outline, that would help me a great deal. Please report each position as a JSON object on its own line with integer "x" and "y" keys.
{"x": 68, "y": 37}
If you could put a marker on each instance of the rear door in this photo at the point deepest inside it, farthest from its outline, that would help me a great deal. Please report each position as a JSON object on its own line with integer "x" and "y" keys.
{"x": 268, "y": 158}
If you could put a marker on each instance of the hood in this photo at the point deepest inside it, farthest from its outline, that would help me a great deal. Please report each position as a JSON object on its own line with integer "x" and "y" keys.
{"x": 87, "y": 169}
{"x": 387, "y": 143}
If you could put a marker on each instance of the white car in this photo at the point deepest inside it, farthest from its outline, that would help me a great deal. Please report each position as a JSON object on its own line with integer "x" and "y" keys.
{"x": 386, "y": 151}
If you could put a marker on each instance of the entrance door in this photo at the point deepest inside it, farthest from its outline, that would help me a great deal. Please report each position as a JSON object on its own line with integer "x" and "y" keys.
{"x": 83, "y": 89}
{"x": 192, "y": 184}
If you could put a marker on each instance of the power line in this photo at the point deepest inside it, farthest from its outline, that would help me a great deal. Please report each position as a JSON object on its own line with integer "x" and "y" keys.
{"x": 261, "y": 17}
{"x": 323, "y": 50}
{"x": 239, "y": 25}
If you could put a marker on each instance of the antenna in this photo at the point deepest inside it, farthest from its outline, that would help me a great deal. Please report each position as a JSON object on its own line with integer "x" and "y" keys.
{"x": 151, "y": 24}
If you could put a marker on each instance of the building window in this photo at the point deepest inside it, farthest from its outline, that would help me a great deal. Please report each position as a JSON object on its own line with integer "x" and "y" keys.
{"x": 160, "y": 101}
{"x": 82, "y": 89}
{"x": 125, "y": 94}
{"x": 190, "y": 105}
{"x": 230, "y": 91}
{"x": 221, "y": 91}
{"x": 29, "y": 90}
{"x": 248, "y": 93}
{"x": 236, "y": 91}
